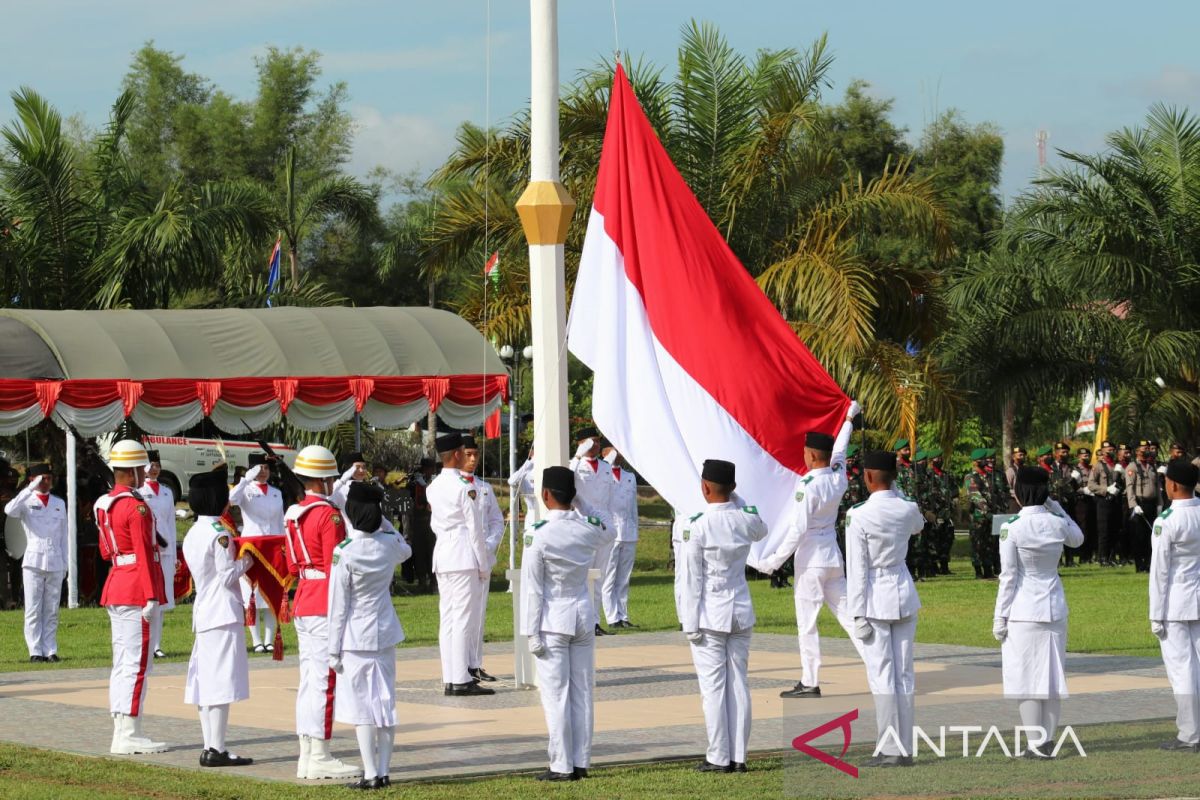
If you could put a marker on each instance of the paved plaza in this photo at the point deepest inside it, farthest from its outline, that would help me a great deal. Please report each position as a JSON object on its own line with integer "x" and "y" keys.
{"x": 647, "y": 706}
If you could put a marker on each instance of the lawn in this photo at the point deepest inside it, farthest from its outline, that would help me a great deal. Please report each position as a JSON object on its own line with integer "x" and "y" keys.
{"x": 1122, "y": 762}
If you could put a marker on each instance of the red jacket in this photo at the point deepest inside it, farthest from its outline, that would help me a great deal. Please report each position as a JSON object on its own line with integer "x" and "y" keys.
{"x": 127, "y": 534}
{"x": 314, "y": 529}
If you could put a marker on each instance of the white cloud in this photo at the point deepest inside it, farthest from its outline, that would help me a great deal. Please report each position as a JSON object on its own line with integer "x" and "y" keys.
{"x": 455, "y": 52}
{"x": 1173, "y": 82}
{"x": 399, "y": 142}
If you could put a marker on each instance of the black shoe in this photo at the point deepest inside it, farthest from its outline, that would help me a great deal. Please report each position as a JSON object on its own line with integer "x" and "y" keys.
{"x": 885, "y": 761}
{"x": 53, "y": 658}
{"x": 258, "y": 648}
{"x": 158, "y": 653}
{"x": 601, "y": 632}
{"x": 361, "y": 783}
{"x": 800, "y": 690}
{"x": 1177, "y": 745}
{"x": 382, "y": 782}
{"x": 551, "y": 775}
{"x": 906, "y": 761}
{"x": 738, "y": 766}
{"x": 978, "y": 573}
{"x": 707, "y": 766}
{"x": 446, "y": 688}
{"x": 1033, "y": 754}
{"x": 37, "y": 659}
{"x": 618, "y": 624}
{"x": 270, "y": 648}
{"x": 581, "y": 773}
{"x": 468, "y": 690}
{"x": 480, "y": 674}
{"x": 211, "y": 758}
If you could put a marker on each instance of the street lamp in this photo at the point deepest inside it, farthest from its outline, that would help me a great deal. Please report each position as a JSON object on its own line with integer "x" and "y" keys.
{"x": 512, "y": 359}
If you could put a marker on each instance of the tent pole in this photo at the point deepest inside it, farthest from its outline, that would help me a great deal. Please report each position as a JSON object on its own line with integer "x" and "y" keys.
{"x": 72, "y": 527}
{"x": 357, "y": 431}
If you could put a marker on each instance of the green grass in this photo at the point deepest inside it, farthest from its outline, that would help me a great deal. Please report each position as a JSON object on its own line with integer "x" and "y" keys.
{"x": 1122, "y": 762}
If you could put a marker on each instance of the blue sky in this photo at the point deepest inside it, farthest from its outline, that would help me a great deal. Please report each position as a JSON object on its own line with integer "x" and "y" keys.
{"x": 416, "y": 69}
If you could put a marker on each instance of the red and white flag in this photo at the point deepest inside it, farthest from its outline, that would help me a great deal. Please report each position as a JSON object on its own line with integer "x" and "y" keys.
{"x": 691, "y": 359}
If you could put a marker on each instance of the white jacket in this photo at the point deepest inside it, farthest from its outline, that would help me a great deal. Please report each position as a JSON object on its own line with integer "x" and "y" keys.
{"x": 594, "y": 488}
{"x": 216, "y": 572}
{"x": 262, "y": 508}
{"x": 554, "y": 573}
{"x": 457, "y": 523}
{"x": 493, "y": 517}
{"x": 161, "y": 501}
{"x": 1175, "y": 563}
{"x": 625, "y": 506}
{"x": 716, "y": 544}
{"x": 1031, "y": 542}
{"x": 878, "y": 583}
{"x": 45, "y": 529}
{"x": 361, "y": 614}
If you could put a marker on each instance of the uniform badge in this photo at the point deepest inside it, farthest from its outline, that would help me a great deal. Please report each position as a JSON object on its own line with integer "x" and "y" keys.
{"x": 336, "y": 557}
{"x": 471, "y": 494}
{"x": 529, "y": 540}
{"x": 595, "y": 521}
{"x": 1158, "y": 530}
{"x": 751, "y": 509}
{"x": 687, "y": 534}
{"x": 142, "y": 509}
{"x": 799, "y": 496}
{"x": 1004, "y": 533}
{"x": 223, "y": 540}
{"x": 336, "y": 519}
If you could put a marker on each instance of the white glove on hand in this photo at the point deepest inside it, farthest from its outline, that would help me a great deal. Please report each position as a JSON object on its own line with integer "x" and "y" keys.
{"x": 1159, "y": 629}
{"x": 863, "y": 630}
{"x": 537, "y": 647}
{"x": 1113, "y": 490}
{"x": 253, "y": 473}
{"x": 1000, "y": 629}
{"x": 1088, "y": 491}
{"x": 583, "y": 448}
{"x": 853, "y": 410}
{"x": 348, "y": 475}
{"x": 148, "y": 610}
{"x": 335, "y": 664}
{"x": 1076, "y": 474}
{"x": 485, "y": 574}
{"x": 695, "y": 637}
{"x": 1162, "y": 470}
{"x": 247, "y": 561}
{"x": 1138, "y": 511}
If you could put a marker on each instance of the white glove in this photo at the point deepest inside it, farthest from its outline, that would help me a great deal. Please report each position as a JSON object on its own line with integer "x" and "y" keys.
{"x": 148, "y": 610}
{"x": 335, "y": 663}
{"x": 1076, "y": 474}
{"x": 1138, "y": 511}
{"x": 1113, "y": 490}
{"x": 349, "y": 474}
{"x": 863, "y": 630}
{"x": 695, "y": 637}
{"x": 485, "y": 574}
{"x": 1159, "y": 629}
{"x": 1000, "y": 629}
{"x": 253, "y": 473}
{"x": 247, "y": 561}
{"x": 583, "y": 448}
{"x": 35, "y": 480}
{"x": 537, "y": 647}
{"x": 1088, "y": 491}
{"x": 853, "y": 410}
{"x": 1162, "y": 470}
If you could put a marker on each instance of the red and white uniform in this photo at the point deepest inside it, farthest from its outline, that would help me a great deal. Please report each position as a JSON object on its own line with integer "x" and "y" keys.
{"x": 314, "y": 529}
{"x": 262, "y": 515}
{"x": 127, "y": 540}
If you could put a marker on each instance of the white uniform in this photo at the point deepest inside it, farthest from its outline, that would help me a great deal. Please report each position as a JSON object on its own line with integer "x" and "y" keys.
{"x": 593, "y": 497}
{"x": 44, "y": 518}
{"x": 811, "y": 540}
{"x": 880, "y": 589}
{"x": 716, "y": 604}
{"x": 556, "y": 608}
{"x": 262, "y": 515}
{"x": 462, "y": 564}
{"x": 161, "y": 501}
{"x": 620, "y": 561}
{"x": 363, "y": 627}
{"x": 1175, "y": 602}
{"x": 493, "y": 528}
{"x": 522, "y": 481}
{"x": 1031, "y": 603}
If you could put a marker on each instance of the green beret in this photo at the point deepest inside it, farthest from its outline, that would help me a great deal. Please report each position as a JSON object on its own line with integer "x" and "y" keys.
{"x": 991, "y": 451}
{"x": 852, "y": 450}
{"x": 1044, "y": 450}
{"x": 920, "y": 456}
{"x": 900, "y": 444}
{"x": 979, "y": 453}
{"x": 935, "y": 452}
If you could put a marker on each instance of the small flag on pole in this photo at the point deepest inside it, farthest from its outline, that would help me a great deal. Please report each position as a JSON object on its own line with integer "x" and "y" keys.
{"x": 492, "y": 268}
{"x": 273, "y": 270}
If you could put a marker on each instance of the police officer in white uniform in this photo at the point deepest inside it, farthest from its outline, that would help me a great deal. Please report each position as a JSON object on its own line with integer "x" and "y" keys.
{"x": 620, "y": 561}
{"x": 593, "y": 497}
{"x": 522, "y": 481}
{"x": 218, "y": 672}
{"x": 44, "y": 518}
{"x": 493, "y": 529}
{"x": 1030, "y": 620}
{"x": 811, "y": 541}
{"x": 882, "y": 599}
{"x": 461, "y": 562}
{"x": 558, "y": 617}
{"x": 262, "y": 515}
{"x": 364, "y": 630}
{"x": 1175, "y": 599}
{"x": 717, "y": 614}
{"x": 161, "y": 501}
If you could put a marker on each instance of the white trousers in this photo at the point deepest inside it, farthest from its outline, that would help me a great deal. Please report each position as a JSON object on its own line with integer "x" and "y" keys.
{"x": 42, "y": 592}
{"x": 566, "y": 678}
{"x": 616, "y": 582}
{"x": 889, "y": 659}
{"x": 315, "y": 696}
{"x": 167, "y": 562}
{"x": 458, "y": 630}
{"x": 475, "y": 656}
{"x": 816, "y": 587}
{"x": 721, "y": 661}
{"x": 263, "y": 615}
{"x": 132, "y": 659}
{"x": 1181, "y": 657}
{"x": 600, "y": 562}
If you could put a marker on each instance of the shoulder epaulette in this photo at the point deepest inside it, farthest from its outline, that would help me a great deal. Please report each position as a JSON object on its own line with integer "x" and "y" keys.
{"x": 217, "y": 526}
{"x": 1166, "y": 513}
{"x": 1013, "y": 518}
{"x": 807, "y": 479}
{"x": 539, "y": 524}
{"x": 596, "y": 521}
{"x": 696, "y": 517}
{"x": 751, "y": 510}
{"x": 856, "y": 505}
{"x": 343, "y": 543}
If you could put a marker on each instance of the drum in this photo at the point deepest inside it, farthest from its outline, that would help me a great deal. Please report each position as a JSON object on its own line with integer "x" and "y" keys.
{"x": 14, "y": 537}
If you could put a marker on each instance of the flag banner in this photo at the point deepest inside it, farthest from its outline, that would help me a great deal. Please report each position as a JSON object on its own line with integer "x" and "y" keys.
{"x": 1087, "y": 415}
{"x": 691, "y": 360}
{"x": 1103, "y": 400}
{"x": 491, "y": 425}
{"x": 492, "y": 268}
{"x": 269, "y": 574}
{"x": 182, "y": 579}
{"x": 273, "y": 270}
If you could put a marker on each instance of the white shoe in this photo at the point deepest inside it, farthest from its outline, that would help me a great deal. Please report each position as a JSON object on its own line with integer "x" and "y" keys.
{"x": 125, "y": 740}
{"x": 322, "y": 765}
{"x": 305, "y": 750}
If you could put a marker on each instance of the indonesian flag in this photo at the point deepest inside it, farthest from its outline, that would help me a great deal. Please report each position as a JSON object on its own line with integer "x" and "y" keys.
{"x": 691, "y": 359}
{"x": 269, "y": 575}
{"x": 492, "y": 268}
{"x": 1087, "y": 415}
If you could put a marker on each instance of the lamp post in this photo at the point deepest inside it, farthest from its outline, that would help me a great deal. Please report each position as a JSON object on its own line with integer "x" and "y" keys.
{"x": 512, "y": 359}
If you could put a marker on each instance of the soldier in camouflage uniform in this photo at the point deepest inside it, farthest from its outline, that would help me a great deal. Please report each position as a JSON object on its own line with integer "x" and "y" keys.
{"x": 907, "y": 484}
{"x": 928, "y": 494}
{"x": 943, "y": 494}
{"x": 1064, "y": 488}
{"x": 856, "y": 492}
{"x": 977, "y": 486}
{"x": 1001, "y": 497}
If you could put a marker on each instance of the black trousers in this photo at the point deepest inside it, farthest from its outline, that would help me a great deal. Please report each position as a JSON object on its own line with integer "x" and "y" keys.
{"x": 1138, "y": 534}
{"x": 1084, "y": 513}
{"x": 1109, "y": 526}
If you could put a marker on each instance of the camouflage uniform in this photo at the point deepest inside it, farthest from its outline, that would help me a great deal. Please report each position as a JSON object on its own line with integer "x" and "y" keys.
{"x": 978, "y": 488}
{"x": 1001, "y": 495}
{"x": 908, "y": 484}
{"x": 943, "y": 492}
{"x": 928, "y": 500}
{"x": 1064, "y": 489}
{"x": 856, "y": 492}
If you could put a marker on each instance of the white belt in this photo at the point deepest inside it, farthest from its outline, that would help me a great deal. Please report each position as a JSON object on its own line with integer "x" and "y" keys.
{"x": 125, "y": 560}
{"x": 312, "y": 574}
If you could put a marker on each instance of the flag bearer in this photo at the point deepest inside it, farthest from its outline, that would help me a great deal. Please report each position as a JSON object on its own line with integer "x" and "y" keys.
{"x": 262, "y": 515}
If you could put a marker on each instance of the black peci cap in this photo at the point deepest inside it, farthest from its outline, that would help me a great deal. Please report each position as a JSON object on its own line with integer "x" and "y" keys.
{"x": 153, "y": 457}
{"x": 38, "y": 470}
{"x": 586, "y": 433}
{"x": 819, "y": 441}
{"x": 256, "y": 459}
{"x": 719, "y": 472}
{"x": 469, "y": 442}
{"x": 1183, "y": 472}
{"x": 559, "y": 479}
{"x": 882, "y": 460}
{"x": 1032, "y": 475}
{"x": 208, "y": 492}
{"x": 448, "y": 442}
{"x": 355, "y": 458}
{"x": 363, "y": 492}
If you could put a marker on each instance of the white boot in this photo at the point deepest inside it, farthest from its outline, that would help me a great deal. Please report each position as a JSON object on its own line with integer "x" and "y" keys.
{"x": 305, "y": 750}
{"x": 125, "y": 741}
{"x": 322, "y": 764}
{"x": 142, "y": 738}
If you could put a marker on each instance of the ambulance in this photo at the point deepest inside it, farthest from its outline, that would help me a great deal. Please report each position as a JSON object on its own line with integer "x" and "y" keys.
{"x": 184, "y": 456}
